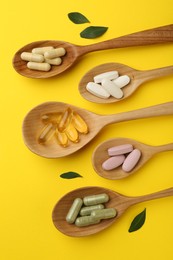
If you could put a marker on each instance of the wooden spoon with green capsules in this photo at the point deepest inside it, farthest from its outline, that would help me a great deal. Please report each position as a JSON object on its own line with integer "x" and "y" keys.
{"x": 158, "y": 35}
{"x": 116, "y": 200}
{"x": 32, "y": 125}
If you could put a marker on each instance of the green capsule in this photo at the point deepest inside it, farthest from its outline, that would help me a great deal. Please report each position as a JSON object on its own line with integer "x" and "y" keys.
{"x": 87, "y": 210}
{"x": 86, "y": 221}
{"x": 95, "y": 199}
{"x": 74, "y": 210}
{"x": 104, "y": 213}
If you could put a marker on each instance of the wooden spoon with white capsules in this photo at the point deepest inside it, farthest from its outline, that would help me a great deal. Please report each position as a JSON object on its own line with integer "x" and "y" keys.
{"x": 158, "y": 35}
{"x": 137, "y": 78}
{"x": 118, "y": 201}
{"x": 32, "y": 125}
{"x": 100, "y": 155}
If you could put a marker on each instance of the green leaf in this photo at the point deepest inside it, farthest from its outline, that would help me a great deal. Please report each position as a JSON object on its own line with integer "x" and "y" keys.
{"x": 138, "y": 221}
{"x": 70, "y": 175}
{"x": 77, "y": 18}
{"x": 92, "y": 32}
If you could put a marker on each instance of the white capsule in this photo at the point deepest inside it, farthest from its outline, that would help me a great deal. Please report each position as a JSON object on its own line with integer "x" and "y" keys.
{"x": 55, "y": 61}
{"x": 55, "y": 53}
{"x": 38, "y": 66}
{"x": 106, "y": 75}
{"x": 112, "y": 89}
{"x": 97, "y": 90}
{"x": 42, "y": 50}
{"x": 122, "y": 81}
{"x": 28, "y": 56}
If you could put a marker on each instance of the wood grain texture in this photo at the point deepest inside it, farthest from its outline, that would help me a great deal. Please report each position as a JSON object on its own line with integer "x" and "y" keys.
{"x": 136, "y": 79}
{"x": 118, "y": 201}
{"x": 158, "y": 35}
{"x": 100, "y": 155}
{"x": 33, "y": 124}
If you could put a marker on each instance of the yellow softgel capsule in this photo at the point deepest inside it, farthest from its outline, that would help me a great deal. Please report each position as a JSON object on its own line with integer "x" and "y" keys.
{"x": 42, "y": 50}
{"x": 55, "y": 53}
{"x": 61, "y": 138}
{"x": 46, "y": 133}
{"x": 65, "y": 120}
{"x": 28, "y": 56}
{"x": 72, "y": 133}
{"x": 38, "y": 66}
{"x": 51, "y": 118}
{"x": 79, "y": 123}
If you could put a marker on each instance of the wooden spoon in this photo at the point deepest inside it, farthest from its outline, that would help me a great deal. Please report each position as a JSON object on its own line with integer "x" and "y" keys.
{"x": 158, "y": 35}
{"x": 117, "y": 201}
{"x": 100, "y": 155}
{"x": 136, "y": 79}
{"x": 33, "y": 124}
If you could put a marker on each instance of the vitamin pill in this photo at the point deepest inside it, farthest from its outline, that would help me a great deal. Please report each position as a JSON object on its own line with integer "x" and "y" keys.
{"x": 106, "y": 75}
{"x": 122, "y": 81}
{"x": 113, "y": 162}
{"x": 79, "y": 123}
{"x": 46, "y": 133}
{"x": 56, "y": 61}
{"x": 86, "y": 221}
{"x": 97, "y": 90}
{"x": 28, "y": 56}
{"x": 72, "y": 133}
{"x": 95, "y": 199}
{"x": 120, "y": 149}
{"x": 55, "y": 53}
{"x": 51, "y": 117}
{"x": 112, "y": 89}
{"x": 65, "y": 120}
{"x": 61, "y": 138}
{"x": 74, "y": 210}
{"x": 42, "y": 50}
{"x": 104, "y": 213}
{"x": 38, "y": 66}
{"x": 131, "y": 160}
{"x": 87, "y": 210}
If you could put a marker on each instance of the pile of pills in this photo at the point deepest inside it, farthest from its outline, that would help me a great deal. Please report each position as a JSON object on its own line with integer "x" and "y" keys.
{"x": 64, "y": 126}
{"x": 108, "y": 84}
{"x": 89, "y": 210}
{"x": 125, "y": 155}
{"x": 42, "y": 58}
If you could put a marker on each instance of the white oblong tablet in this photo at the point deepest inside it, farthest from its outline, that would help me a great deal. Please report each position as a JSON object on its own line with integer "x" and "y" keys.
{"x": 97, "y": 90}
{"x": 106, "y": 75}
{"x": 120, "y": 149}
{"x": 122, "y": 81}
{"x": 113, "y": 90}
{"x": 131, "y": 160}
{"x": 113, "y": 162}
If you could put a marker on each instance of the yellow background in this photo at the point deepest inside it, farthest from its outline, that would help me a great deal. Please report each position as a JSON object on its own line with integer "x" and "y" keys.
{"x": 31, "y": 185}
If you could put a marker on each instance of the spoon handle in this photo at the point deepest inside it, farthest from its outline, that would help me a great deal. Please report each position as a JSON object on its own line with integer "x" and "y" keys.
{"x": 154, "y": 73}
{"x": 152, "y": 196}
{"x": 157, "y": 35}
{"x": 152, "y": 111}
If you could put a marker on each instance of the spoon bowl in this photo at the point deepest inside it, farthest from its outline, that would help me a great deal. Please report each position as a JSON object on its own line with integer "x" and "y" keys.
{"x": 32, "y": 125}
{"x": 118, "y": 201}
{"x": 136, "y": 79}
{"x": 100, "y": 155}
{"x": 163, "y": 34}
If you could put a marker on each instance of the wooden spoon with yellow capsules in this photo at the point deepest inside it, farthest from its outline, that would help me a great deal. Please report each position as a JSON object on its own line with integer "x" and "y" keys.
{"x": 158, "y": 35}
{"x": 33, "y": 125}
